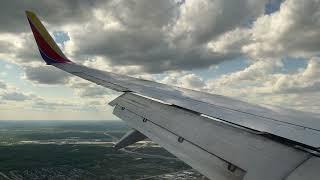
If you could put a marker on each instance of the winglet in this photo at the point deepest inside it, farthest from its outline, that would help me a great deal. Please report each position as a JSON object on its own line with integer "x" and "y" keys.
{"x": 48, "y": 48}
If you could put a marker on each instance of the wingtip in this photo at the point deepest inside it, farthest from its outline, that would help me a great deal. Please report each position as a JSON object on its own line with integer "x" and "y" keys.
{"x": 29, "y": 13}
{"x": 49, "y": 50}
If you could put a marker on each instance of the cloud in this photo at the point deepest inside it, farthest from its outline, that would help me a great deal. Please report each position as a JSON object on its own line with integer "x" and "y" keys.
{"x": 57, "y": 12}
{"x": 262, "y": 82}
{"x": 291, "y": 31}
{"x": 306, "y": 81}
{"x": 3, "y": 85}
{"x": 165, "y": 36}
{"x": 184, "y": 79}
{"x": 15, "y": 96}
{"x": 133, "y": 35}
{"x": 45, "y": 75}
{"x": 49, "y": 106}
{"x": 230, "y": 42}
{"x": 124, "y": 34}
{"x": 86, "y": 89}
{"x": 257, "y": 71}
{"x": 202, "y": 20}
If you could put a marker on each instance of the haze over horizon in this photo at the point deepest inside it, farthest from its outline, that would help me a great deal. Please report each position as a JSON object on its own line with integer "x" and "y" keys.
{"x": 263, "y": 52}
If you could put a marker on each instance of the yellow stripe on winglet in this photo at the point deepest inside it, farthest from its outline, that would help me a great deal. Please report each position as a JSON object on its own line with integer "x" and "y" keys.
{"x": 44, "y": 33}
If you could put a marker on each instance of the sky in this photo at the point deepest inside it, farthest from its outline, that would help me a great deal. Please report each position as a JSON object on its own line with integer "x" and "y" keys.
{"x": 259, "y": 51}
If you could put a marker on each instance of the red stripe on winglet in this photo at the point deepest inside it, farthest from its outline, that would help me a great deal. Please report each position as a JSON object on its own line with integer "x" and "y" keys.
{"x": 45, "y": 47}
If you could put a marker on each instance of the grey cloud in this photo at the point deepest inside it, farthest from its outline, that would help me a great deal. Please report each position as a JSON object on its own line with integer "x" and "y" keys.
{"x": 146, "y": 48}
{"x": 86, "y": 89}
{"x": 56, "y": 12}
{"x": 152, "y": 41}
{"x": 42, "y": 104}
{"x": 93, "y": 92}
{"x": 15, "y": 96}
{"x": 3, "y": 85}
{"x": 144, "y": 13}
{"x": 5, "y": 46}
{"x": 143, "y": 42}
{"x": 46, "y": 75}
{"x": 28, "y": 52}
{"x": 160, "y": 36}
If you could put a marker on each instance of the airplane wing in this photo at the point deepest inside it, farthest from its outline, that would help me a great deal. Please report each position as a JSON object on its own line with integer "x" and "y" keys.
{"x": 223, "y": 138}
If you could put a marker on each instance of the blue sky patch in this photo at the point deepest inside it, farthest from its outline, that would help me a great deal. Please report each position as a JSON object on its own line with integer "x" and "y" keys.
{"x": 272, "y": 6}
{"x": 61, "y": 37}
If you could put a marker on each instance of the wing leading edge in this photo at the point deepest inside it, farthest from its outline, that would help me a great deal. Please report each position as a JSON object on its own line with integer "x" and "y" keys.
{"x": 298, "y": 128}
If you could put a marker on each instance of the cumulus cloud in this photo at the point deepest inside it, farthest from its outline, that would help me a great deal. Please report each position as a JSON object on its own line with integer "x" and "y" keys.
{"x": 230, "y": 42}
{"x": 176, "y": 39}
{"x": 124, "y": 34}
{"x": 263, "y": 82}
{"x": 45, "y": 75}
{"x": 256, "y": 72}
{"x": 202, "y": 20}
{"x": 14, "y": 96}
{"x": 184, "y": 79}
{"x": 56, "y": 12}
{"x": 165, "y": 36}
{"x": 306, "y": 81}
{"x": 87, "y": 89}
{"x": 291, "y": 31}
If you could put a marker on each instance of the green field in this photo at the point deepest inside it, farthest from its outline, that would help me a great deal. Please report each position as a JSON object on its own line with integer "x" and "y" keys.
{"x": 62, "y": 157}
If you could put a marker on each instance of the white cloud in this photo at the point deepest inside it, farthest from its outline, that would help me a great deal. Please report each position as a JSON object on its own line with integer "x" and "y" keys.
{"x": 305, "y": 82}
{"x": 255, "y": 72}
{"x": 202, "y": 20}
{"x": 230, "y": 42}
{"x": 184, "y": 79}
{"x": 262, "y": 83}
{"x": 292, "y": 31}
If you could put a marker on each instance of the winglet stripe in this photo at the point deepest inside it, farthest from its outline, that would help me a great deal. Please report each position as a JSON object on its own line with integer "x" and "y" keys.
{"x": 49, "y": 50}
{"x": 44, "y": 33}
{"x": 45, "y": 48}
